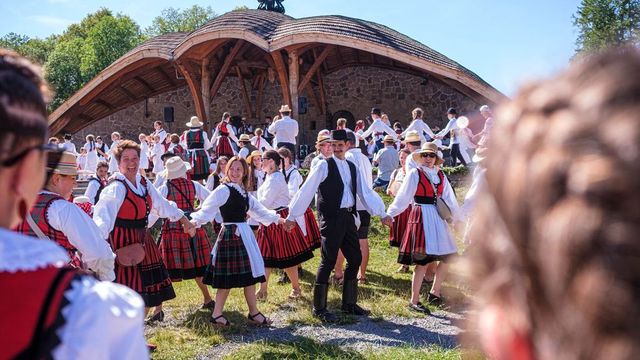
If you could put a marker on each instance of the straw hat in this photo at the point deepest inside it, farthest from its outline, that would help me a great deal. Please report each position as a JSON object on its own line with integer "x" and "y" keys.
{"x": 195, "y": 122}
{"x": 244, "y": 138}
{"x": 323, "y": 138}
{"x": 66, "y": 166}
{"x": 428, "y": 148}
{"x": 412, "y": 136}
{"x": 176, "y": 168}
{"x": 389, "y": 138}
{"x": 254, "y": 153}
{"x": 285, "y": 108}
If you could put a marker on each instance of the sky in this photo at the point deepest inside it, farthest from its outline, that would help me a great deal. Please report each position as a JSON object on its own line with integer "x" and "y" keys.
{"x": 504, "y": 42}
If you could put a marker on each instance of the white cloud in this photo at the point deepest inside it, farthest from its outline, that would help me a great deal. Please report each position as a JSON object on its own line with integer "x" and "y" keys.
{"x": 50, "y": 20}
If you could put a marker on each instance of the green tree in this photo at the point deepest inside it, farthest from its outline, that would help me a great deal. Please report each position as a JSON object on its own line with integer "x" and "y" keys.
{"x": 176, "y": 20}
{"x": 62, "y": 70}
{"x": 243, "y": 7}
{"x": 106, "y": 41}
{"x": 605, "y": 23}
{"x": 13, "y": 41}
{"x": 37, "y": 50}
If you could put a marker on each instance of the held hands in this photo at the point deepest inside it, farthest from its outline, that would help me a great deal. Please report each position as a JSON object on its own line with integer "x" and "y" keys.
{"x": 188, "y": 227}
{"x": 282, "y": 221}
{"x": 386, "y": 221}
{"x": 289, "y": 224}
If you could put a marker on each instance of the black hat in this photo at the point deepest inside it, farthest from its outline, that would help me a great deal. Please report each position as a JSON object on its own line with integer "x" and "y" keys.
{"x": 452, "y": 111}
{"x": 338, "y": 135}
{"x": 67, "y": 136}
{"x": 376, "y": 111}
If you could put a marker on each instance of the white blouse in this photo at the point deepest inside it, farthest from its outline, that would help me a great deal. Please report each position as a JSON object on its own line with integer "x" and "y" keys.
{"x": 183, "y": 139}
{"x": 274, "y": 193}
{"x": 407, "y": 190}
{"x": 295, "y": 180}
{"x": 261, "y": 143}
{"x": 84, "y": 235}
{"x": 421, "y": 127}
{"x": 201, "y": 194}
{"x": 219, "y": 197}
{"x": 103, "y": 320}
{"x": 113, "y": 195}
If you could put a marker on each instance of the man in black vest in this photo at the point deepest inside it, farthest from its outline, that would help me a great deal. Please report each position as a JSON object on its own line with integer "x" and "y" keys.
{"x": 337, "y": 183}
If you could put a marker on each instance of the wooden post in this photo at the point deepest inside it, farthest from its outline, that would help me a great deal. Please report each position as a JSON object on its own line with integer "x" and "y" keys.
{"x": 294, "y": 68}
{"x": 196, "y": 93}
{"x": 206, "y": 96}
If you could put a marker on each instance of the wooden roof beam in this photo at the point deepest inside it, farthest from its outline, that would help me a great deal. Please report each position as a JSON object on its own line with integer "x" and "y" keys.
{"x": 245, "y": 94}
{"x": 104, "y": 104}
{"x": 316, "y": 64}
{"x": 165, "y": 76}
{"x": 225, "y": 67}
{"x": 195, "y": 89}
{"x": 283, "y": 78}
{"x": 126, "y": 92}
{"x": 142, "y": 82}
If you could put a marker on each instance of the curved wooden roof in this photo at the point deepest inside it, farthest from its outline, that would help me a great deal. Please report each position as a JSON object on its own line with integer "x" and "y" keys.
{"x": 153, "y": 67}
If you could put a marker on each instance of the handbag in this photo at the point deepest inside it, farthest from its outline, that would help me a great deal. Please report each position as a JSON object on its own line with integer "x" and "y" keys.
{"x": 443, "y": 209}
{"x": 130, "y": 255}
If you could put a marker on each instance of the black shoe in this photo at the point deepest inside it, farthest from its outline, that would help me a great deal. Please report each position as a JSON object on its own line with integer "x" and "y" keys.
{"x": 156, "y": 317}
{"x": 210, "y": 305}
{"x": 325, "y": 316}
{"x": 435, "y": 300}
{"x": 419, "y": 308}
{"x": 355, "y": 309}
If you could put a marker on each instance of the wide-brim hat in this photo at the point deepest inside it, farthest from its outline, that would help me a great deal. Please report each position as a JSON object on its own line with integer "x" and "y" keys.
{"x": 411, "y": 136}
{"x": 244, "y": 137}
{"x": 253, "y": 154}
{"x": 195, "y": 122}
{"x": 284, "y": 108}
{"x": 176, "y": 168}
{"x": 388, "y": 138}
{"x": 66, "y": 165}
{"x": 323, "y": 138}
{"x": 428, "y": 148}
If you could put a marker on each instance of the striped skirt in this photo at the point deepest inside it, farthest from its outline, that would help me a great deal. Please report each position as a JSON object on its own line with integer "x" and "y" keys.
{"x": 199, "y": 165}
{"x": 281, "y": 248}
{"x": 150, "y": 278}
{"x": 223, "y": 147}
{"x": 313, "y": 230}
{"x": 232, "y": 267}
{"x": 185, "y": 257}
{"x": 398, "y": 228}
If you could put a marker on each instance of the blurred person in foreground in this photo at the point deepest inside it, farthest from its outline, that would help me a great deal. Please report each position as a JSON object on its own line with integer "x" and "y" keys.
{"x": 555, "y": 254}
{"x": 53, "y": 311}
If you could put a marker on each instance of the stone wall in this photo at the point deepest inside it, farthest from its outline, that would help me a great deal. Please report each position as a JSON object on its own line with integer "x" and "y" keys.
{"x": 353, "y": 89}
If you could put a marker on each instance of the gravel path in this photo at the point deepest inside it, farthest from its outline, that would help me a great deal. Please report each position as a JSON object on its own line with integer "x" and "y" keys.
{"x": 439, "y": 328}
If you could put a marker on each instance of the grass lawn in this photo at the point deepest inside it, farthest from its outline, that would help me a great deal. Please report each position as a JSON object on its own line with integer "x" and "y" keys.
{"x": 185, "y": 333}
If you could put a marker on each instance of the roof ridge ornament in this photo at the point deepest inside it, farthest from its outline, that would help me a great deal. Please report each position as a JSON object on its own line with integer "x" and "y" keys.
{"x": 271, "y": 5}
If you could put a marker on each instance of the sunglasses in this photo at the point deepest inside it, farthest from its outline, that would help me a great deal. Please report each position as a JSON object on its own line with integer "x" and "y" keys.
{"x": 428, "y": 155}
{"x": 55, "y": 150}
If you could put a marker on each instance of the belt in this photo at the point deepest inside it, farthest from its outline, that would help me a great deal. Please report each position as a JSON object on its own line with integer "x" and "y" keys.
{"x": 424, "y": 200}
{"x": 131, "y": 223}
{"x": 347, "y": 209}
{"x": 195, "y": 149}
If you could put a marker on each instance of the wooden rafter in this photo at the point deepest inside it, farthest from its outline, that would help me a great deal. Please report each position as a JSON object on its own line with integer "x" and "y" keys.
{"x": 126, "y": 92}
{"x": 245, "y": 94}
{"x": 165, "y": 76}
{"x": 282, "y": 75}
{"x": 195, "y": 90}
{"x": 142, "y": 82}
{"x": 323, "y": 99}
{"x": 225, "y": 67}
{"x": 104, "y": 104}
{"x": 316, "y": 64}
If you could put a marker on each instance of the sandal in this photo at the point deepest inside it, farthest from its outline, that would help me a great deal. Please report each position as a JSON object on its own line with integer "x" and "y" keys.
{"x": 261, "y": 295}
{"x": 210, "y": 305}
{"x": 435, "y": 300}
{"x": 265, "y": 320}
{"x": 214, "y": 321}
{"x": 362, "y": 280}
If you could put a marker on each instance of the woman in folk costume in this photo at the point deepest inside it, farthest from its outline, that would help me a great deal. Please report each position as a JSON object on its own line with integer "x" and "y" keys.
{"x": 221, "y": 136}
{"x": 279, "y": 248}
{"x": 427, "y": 237}
{"x": 294, "y": 181}
{"x": 157, "y": 151}
{"x": 236, "y": 261}
{"x": 256, "y": 178}
{"x": 185, "y": 257}
{"x": 144, "y": 154}
{"x": 196, "y": 141}
{"x": 399, "y": 222}
{"x": 55, "y": 218}
{"x": 176, "y": 148}
{"x": 113, "y": 164}
{"x": 92, "y": 154}
{"x": 259, "y": 142}
{"x": 122, "y": 215}
{"x": 216, "y": 176}
{"x": 48, "y": 310}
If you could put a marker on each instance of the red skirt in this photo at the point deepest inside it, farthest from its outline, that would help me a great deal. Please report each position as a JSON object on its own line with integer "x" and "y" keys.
{"x": 413, "y": 249}
{"x": 398, "y": 228}
{"x": 313, "y": 231}
{"x": 149, "y": 278}
{"x": 223, "y": 147}
{"x": 281, "y": 248}
{"x": 185, "y": 257}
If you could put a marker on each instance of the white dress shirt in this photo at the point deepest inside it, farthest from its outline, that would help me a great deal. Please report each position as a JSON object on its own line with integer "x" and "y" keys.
{"x": 92, "y": 189}
{"x": 363, "y": 166}
{"x": 83, "y": 234}
{"x": 113, "y": 195}
{"x": 261, "y": 143}
{"x": 452, "y": 125}
{"x": 103, "y": 320}
{"x": 379, "y": 126}
{"x": 244, "y": 152}
{"x": 285, "y": 130}
{"x": 421, "y": 127}
{"x": 301, "y": 200}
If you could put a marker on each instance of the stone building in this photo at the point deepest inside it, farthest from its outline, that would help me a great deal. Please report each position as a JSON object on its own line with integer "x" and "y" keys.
{"x": 250, "y": 62}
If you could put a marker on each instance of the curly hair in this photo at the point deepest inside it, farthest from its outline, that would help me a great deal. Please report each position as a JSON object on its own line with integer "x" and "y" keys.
{"x": 124, "y": 145}
{"x": 556, "y": 234}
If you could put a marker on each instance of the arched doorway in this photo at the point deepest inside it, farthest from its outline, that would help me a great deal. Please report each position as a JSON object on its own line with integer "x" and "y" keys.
{"x": 351, "y": 121}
